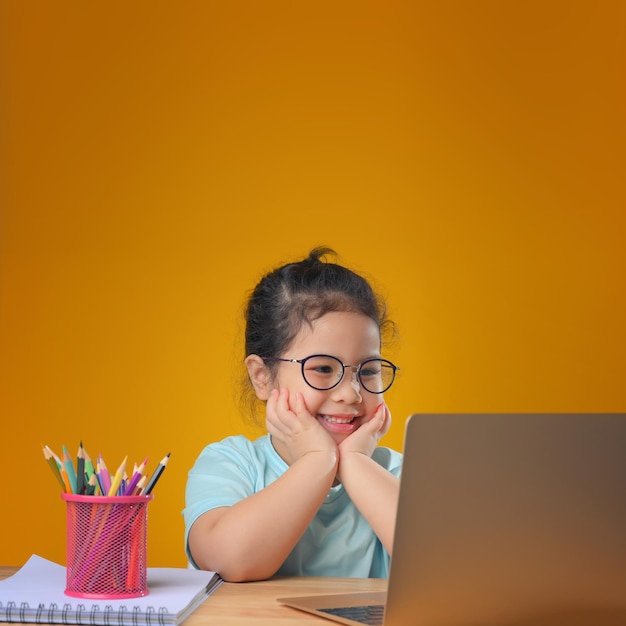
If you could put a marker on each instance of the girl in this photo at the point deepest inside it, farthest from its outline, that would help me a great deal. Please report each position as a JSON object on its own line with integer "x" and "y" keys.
{"x": 316, "y": 496}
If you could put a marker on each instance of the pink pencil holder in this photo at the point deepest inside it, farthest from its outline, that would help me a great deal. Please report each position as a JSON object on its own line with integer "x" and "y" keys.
{"x": 106, "y": 546}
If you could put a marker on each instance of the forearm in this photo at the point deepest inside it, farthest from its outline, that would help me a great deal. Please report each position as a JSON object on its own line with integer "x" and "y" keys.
{"x": 374, "y": 491}
{"x": 251, "y": 539}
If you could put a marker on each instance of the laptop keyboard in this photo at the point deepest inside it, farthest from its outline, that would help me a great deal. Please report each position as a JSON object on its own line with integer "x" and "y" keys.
{"x": 371, "y": 614}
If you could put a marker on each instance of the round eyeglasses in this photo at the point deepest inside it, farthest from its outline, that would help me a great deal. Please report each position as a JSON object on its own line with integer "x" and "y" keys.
{"x": 323, "y": 372}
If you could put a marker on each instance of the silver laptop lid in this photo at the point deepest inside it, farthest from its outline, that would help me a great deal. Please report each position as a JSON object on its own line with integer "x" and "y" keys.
{"x": 511, "y": 520}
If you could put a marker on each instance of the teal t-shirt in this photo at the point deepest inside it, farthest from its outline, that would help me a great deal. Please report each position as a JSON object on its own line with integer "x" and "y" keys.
{"x": 338, "y": 541}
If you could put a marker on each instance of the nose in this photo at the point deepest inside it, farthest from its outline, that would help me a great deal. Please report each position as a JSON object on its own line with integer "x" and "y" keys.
{"x": 349, "y": 389}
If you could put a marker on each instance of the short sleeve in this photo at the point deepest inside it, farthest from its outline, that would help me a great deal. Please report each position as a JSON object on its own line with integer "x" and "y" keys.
{"x": 390, "y": 459}
{"x": 225, "y": 473}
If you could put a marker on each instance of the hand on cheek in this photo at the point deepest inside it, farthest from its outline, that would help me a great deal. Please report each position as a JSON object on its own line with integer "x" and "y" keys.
{"x": 365, "y": 439}
{"x": 295, "y": 431}
{"x": 382, "y": 411}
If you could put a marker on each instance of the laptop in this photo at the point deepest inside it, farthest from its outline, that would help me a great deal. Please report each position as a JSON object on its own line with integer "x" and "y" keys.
{"x": 503, "y": 520}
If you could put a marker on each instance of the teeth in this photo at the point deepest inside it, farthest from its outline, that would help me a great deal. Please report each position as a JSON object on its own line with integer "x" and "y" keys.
{"x": 334, "y": 420}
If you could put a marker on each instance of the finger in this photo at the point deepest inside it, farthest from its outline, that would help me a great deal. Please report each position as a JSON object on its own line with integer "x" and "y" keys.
{"x": 272, "y": 412}
{"x": 270, "y": 405}
{"x": 380, "y": 414}
{"x": 283, "y": 407}
{"x": 376, "y": 425}
{"x": 299, "y": 406}
{"x": 368, "y": 429}
{"x": 386, "y": 418}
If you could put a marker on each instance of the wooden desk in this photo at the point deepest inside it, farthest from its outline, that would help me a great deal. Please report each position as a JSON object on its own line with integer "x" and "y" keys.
{"x": 255, "y": 603}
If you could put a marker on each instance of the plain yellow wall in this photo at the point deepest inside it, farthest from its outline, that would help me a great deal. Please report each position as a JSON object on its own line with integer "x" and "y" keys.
{"x": 158, "y": 158}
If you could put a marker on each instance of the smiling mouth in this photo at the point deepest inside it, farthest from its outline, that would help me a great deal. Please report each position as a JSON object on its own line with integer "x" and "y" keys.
{"x": 337, "y": 420}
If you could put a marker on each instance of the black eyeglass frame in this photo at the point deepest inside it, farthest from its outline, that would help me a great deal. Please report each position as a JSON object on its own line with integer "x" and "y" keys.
{"x": 302, "y": 362}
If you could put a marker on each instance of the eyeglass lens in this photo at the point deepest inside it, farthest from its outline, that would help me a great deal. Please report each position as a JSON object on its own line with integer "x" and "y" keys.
{"x": 324, "y": 372}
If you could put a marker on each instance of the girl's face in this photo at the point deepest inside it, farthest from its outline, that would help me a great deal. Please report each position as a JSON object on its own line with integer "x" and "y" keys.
{"x": 352, "y": 338}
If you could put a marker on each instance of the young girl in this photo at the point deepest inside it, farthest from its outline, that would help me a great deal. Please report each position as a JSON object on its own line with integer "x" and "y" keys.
{"x": 316, "y": 496}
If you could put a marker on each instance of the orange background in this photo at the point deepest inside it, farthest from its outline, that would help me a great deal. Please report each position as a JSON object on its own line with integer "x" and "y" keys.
{"x": 157, "y": 158}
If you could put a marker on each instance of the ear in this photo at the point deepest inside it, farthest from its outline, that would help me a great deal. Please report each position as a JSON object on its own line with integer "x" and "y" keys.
{"x": 260, "y": 376}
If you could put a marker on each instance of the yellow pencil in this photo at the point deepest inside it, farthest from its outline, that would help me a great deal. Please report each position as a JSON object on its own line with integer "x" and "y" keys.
{"x": 117, "y": 479}
{"x": 61, "y": 467}
{"x": 66, "y": 479}
{"x": 50, "y": 457}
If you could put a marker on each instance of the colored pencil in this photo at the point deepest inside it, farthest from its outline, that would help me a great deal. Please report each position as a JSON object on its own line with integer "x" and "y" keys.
{"x": 156, "y": 475}
{"x": 89, "y": 468}
{"x": 80, "y": 470}
{"x": 69, "y": 468}
{"x": 87, "y": 479}
{"x": 103, "y": 475}
{"x": 140, "y": 485}
{"x": 92, "y": 485}
{"x": 52, "y": 462}
{"x": 56, "y": 456}
{"x": 66, "y": 479}
{"x": 117, "y": 479}
{"x": 135, "y": 478}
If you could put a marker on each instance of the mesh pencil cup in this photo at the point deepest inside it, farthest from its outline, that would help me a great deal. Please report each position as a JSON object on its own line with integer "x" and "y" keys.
{"x": 106, "y": 546}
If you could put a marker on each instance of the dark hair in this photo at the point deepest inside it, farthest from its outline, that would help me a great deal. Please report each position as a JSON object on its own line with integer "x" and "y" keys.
{"x": 299, "y": 293}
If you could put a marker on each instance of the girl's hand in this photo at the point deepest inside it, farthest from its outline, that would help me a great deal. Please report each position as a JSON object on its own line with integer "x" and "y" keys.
{"x": 365, "y": 438}
{"x": 295, "y": 430}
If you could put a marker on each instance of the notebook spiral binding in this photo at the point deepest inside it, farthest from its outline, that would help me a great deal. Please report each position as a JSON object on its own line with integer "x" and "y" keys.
{"x": 67, "y": 614}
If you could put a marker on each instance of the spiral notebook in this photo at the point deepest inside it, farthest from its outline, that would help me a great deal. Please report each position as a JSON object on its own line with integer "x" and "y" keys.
{"x": 35, "y": 594}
